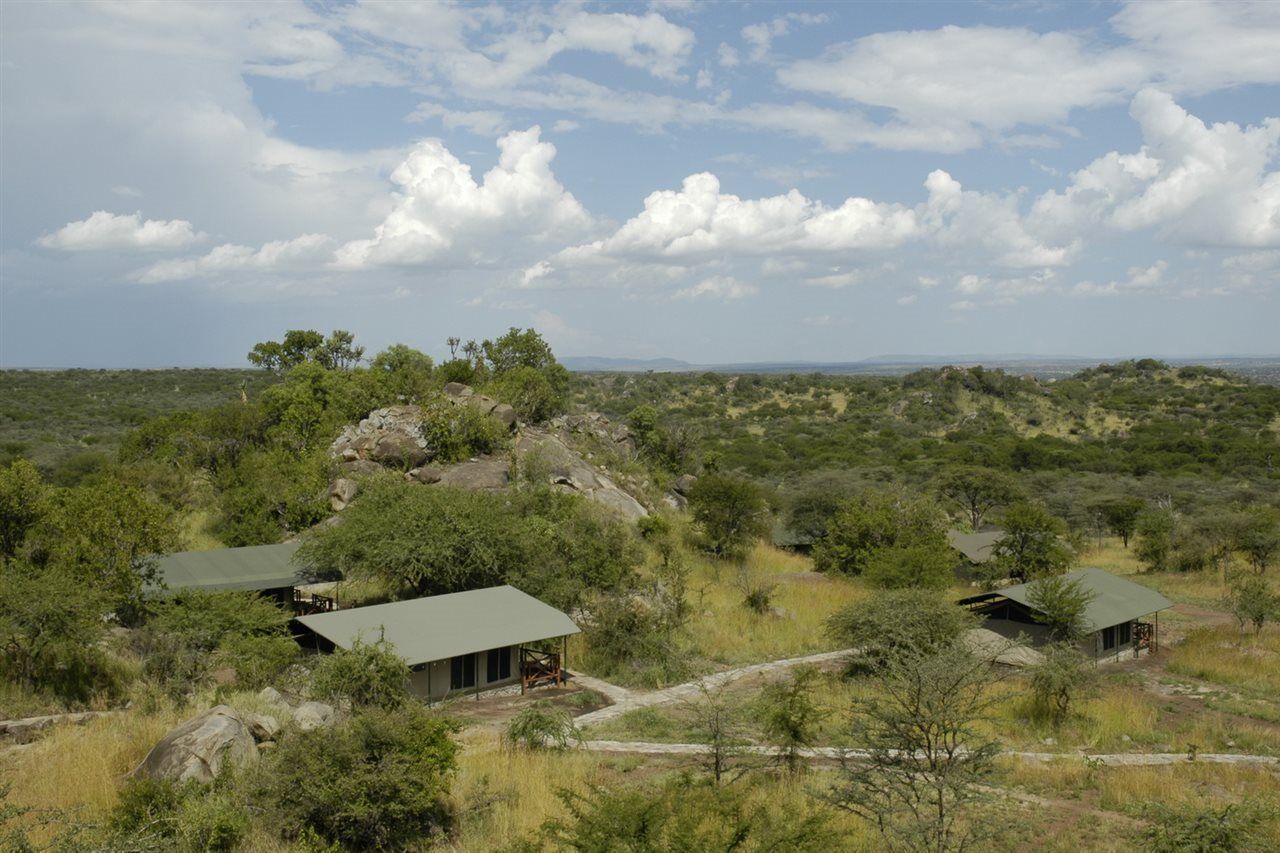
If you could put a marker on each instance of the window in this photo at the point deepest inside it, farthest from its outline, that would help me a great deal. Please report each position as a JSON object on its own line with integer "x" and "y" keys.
{"x": 1126, "y": 633}
{"x": 1108, "y": 638}
{"x": 463, "y": 672}
{"x": 499, "y": 664}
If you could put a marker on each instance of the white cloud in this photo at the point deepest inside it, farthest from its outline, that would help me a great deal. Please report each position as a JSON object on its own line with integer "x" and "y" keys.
{"x": 439, "y": 207}
{"x": 718, "y": 287}
{"x": 120, "y": 231}
{"x": 727, "y": 56}
{"x": 909, "y": 299}
{"x": 962, "y": 219}
{"x": 1140, "y": 280}
{"x": 301, "y": 253}
{"x": 479, "y": 122}
{"x": 760, "y": 36}
{"x": 126, "y": 191}
{"x": 565, "y": 125}
{"x": 1003, "y": 290}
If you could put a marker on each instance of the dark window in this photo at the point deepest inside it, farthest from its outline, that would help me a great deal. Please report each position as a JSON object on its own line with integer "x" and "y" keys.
{"x": 499, "y": 665}
{"x": 1125, "y": 633}
{"x": 463, "y": 672}
{"x": 1108, "y": 638}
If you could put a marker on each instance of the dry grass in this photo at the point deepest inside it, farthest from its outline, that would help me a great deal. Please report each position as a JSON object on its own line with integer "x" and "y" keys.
{"x": 722, "y": 629}
{"x": 1218, "y": 654}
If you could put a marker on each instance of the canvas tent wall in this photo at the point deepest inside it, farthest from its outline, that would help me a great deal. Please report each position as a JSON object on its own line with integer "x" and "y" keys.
{"x": 464, "y": 641}
{"x": 1113, "y": 616}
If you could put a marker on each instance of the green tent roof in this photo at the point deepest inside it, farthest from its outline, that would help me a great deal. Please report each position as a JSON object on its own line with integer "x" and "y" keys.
{"x": 1115, "y": 600}
{"x": 255, "y": 567}
{"x": 976, "y": 547}
{"x": 445, "y": 626}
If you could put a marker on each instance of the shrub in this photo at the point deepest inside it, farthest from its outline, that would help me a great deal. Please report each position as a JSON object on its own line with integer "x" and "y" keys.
{"x": 874, "y": 521}
{"x": 1192, "y": 829}
{"x": 367, "y": 675}
{"x": 633, "y": 639}
{"x": 891, "y": 626}
{"x": 379, "y": 782}
{"x": 929, "y": 566}
{"x": 542, "y": 728}
{"x": 730, "y": 513}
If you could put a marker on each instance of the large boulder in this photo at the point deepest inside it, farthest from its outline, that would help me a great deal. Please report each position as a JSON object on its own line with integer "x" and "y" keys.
{"x": 199, "y": 748}
{"x": 313, "y": 715}
{"x": 547, "y": 454}
{"x": 486, "y": 473}
{"x": 342, "y": 492}
{"x": 400, "y": 450}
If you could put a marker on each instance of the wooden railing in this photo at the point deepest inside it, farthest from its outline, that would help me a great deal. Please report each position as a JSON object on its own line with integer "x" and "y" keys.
{"x": 538, "y": 667}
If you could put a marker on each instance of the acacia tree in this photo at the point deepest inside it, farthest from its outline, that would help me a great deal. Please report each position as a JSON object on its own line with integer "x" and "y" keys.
{"x": 875, "y": 520}
{"x": 790, "y": 716}
{"x": 730, "y": 513}
{"x": 337, "y": 352}
{"x": 718, "y": 725}
{"x": 1120, "y": 515}
{"x": 976, "y": 490}
{"x": 922, "y": 750}
{"x": 1064, "y": 670}
{"x": 1030, "y": 546}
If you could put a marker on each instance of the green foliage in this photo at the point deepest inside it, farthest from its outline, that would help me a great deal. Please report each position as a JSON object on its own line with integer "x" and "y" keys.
{"x": 153, "y": 814}
{"x": 927, "y": 753}
{"x": 300, "y": 346}
{"x": 456, "y": 432}
{"x": 380, "y": 782}
{"x": 898, "y": 625}
{"x": 270, "y": 493}
{"x": 1121, "y": 515}
{"x": 682, "y": 814}
{"x": 536, "y": 395}
{"x": 1207, "y": 828}
{"x": 877, "y": 520}
{"x": 1155, "y": 530}
{"x": 1251, "y": 600}
{"x": 1258, "y": 536}
{"x": 1059, "y": 679}
{"x": 929, "y": 566}
{"x": 633, "y": 639}
{"x": 107, "y": 535}
{"x": 1060, "y": 605}
{"x": 368, "y": 675}
{"x": 22, "y": 503}
{"x": 1031, "y": 546}
{"x": 789, "y": 716}
{"x": 438, "y": 540}
{"x": 51, "y": 626}
{"x": 405, "y": 373}
{"x": 537, "y": 727}
{"x": 730, "y": 513}
{"x": 976, "y": 491}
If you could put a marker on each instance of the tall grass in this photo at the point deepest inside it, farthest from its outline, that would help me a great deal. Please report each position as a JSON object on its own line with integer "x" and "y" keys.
{"x": 1219, "y": 654}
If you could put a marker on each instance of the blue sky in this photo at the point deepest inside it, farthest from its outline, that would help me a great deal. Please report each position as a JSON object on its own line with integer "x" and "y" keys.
{"x": 712, "y": 182}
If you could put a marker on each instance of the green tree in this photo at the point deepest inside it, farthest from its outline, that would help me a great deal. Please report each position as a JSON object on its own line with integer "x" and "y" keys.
{"x": 789, "y": 716}
{"x": 1061, "y": 604}
{"x": 1258, "y": 537}
{"x": 1063, "y": 672}
{"x": 107, "y": 534}
{"x": 897, "y": 624}
{"x": 22, "y": 503}
{"x": 1121, "y": 515}
{"x": 339, "y": 351}
{"x": 1251, "y": 601}
{"x": 976, "y": 490}
{"x": 926, "y": 753}
{"x": 1155, "y": 539}
{"x": 368, "y": 675}
{"x": 380, "y": 782}
{"x": 518, "y": 348}
{"x": 875, "y": 520}
{"x": 405, "y": 372}
{"x": 930, "y": 566}
{"x": 1031, "y": 546}
{"x": 299, "y": 345}
{"x": 730, "y": 513}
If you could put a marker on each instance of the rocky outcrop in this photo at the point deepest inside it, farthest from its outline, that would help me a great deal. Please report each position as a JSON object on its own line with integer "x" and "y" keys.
{"x": 677, "y": 497}
{"x": 599, "y": 427}
{"x": 29, "y": 729}
{"x": 483, "y": 474}
{"x": 313, "y": 715}
{"x": 542, "y": 453}
{"x": 199, "y": 748}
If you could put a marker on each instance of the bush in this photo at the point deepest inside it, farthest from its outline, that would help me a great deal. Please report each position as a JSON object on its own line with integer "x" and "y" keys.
{"x": 633, "y": 640}
{"x": 379, "y": 782}
{"x": 877, "y": 520}
{"x": 1195, "y": 829}
{"x": 542, "y": 728}
{"x": 730, "y": 513}
{"x": 916, "y": 566}
{"x": 891, "y": 626}
{"x": 369, "y": 675}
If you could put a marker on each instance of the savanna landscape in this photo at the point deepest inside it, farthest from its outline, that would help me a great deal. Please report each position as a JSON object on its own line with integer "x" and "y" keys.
{"x": 765, "y": 639}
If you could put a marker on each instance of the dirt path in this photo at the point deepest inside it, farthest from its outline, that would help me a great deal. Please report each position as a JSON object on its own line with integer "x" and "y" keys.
{"x": 629, "y": 701}
{"x": 829, "y": 753}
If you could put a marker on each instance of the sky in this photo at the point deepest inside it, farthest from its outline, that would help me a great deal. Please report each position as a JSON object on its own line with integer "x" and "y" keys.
{"x": 714, "y": 182}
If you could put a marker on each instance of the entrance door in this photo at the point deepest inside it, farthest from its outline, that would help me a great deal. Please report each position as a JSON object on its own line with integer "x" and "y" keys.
{"x": 463, "y": 672}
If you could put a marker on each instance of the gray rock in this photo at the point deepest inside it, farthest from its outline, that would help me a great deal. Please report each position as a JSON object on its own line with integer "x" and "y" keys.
{"x": 683, "y": 484}
{"x": 675, "y": 500}
{"x": 504, "y": 414}
{"x": 426, "y": 475}
{"x": 482, "y": 404}
{"x": 199, "y": 748}
{"x": 457, "y": 389}
{"x": 262, "y": 726}
{"x": 313, "y": 715}
{"x": 342, "y": 492}
{"x": 399, "y": 449}
{"x": 349, "y": 454}
{"x": 270, "y": 694}
{"x": 477, "y": 474}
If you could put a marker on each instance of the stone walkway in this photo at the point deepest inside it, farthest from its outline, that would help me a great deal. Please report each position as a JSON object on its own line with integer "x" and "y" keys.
{"x": 625, "y": 700}
{"x": 827, "y": 753}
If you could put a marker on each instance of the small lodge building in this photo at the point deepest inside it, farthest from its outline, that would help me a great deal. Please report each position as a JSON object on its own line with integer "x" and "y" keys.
{"x": 267, "y": 569}
{"x": 974, "y": 550}
{"x": 1114, "y": 617}
{"x": 463, "y": 641}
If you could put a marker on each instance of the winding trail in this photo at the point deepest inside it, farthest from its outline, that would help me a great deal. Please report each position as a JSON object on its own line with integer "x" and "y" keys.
{"x": 829, "y": 753}
{"x": 625, "y": 700}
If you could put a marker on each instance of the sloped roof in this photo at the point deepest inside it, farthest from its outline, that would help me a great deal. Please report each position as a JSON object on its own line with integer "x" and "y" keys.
{"x": 445, "y": 626}
{"x": 254, "y": 567}
{"x": 976, "y": 547}
{"x": 1115, "y": 599}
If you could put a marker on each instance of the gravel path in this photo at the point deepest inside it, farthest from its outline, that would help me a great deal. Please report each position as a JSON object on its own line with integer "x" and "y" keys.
{"x": 827, "y": 753}
{"x": 628, "y": 701}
